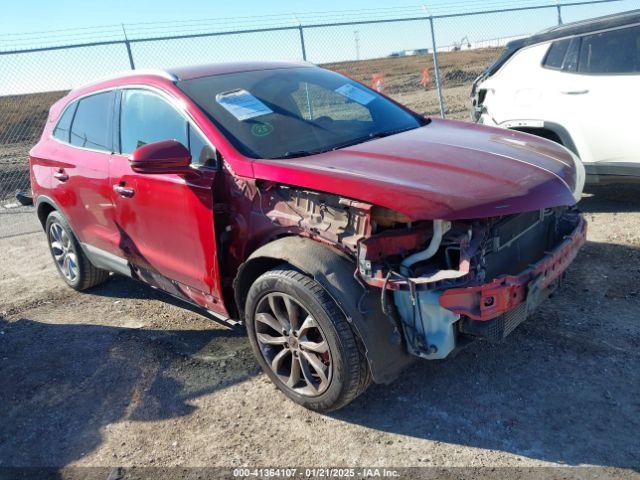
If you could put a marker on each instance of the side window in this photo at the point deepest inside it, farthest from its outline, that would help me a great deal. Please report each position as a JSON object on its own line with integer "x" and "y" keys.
{"x": 556, "y": 53}
{"x": 146, "y": 117}
{"x": 612, "y": 52}
{"x": 201, "y": 152}
{"x": 63, "y": 127}
{"x": 91, "y": 126}
{"x": 570, "y": 63}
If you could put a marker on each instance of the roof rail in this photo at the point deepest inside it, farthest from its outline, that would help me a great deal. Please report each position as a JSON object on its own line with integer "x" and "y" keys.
{"x": 132, "y": 73}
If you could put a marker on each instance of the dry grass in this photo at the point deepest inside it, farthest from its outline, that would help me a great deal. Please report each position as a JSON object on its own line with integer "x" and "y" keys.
{"x": 402, "y": 77}
{"x": 22, "y": 117}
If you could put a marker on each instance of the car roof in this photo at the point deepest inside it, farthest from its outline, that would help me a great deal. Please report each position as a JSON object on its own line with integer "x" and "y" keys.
{"x": 198, "y": 71}
{"x": 623, "y": 19}
{"x": 579, "y": 28}
{"x": 188, "y": 73}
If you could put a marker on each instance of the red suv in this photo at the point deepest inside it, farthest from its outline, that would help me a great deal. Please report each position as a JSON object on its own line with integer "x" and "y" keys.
{"x": 349, "y": 234}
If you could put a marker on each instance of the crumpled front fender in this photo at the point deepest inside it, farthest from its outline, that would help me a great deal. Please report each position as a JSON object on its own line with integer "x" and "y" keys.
{"x": 360, "y": 304}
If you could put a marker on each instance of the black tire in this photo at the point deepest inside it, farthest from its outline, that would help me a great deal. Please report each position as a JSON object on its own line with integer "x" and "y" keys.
{"x": 86, "y": 275}
{"x": 348, "y": 369}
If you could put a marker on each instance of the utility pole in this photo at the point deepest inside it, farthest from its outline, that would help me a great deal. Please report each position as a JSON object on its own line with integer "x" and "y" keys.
{"x": 356, "y": 37}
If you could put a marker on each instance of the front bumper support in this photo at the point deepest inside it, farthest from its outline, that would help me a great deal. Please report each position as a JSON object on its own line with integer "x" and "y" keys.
{"x": 505, "y": 293}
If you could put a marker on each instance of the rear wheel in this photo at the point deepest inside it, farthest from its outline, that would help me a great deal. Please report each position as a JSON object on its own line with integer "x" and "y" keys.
{"x": 303, "y": 341}
{"x": 72, "y": 264}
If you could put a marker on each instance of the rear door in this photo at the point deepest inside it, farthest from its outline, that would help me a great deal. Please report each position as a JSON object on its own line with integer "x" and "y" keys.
{"x": 599, "y": 95}
{"x": 165, "y": 221}
{"x": 609, "y": 68}
{"x": 81, "y": 169}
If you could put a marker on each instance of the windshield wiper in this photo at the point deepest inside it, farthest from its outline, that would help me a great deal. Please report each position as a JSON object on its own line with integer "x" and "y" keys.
{"x": 299, "y": 153}
{"x": 370, "y": 136}
{"x": 307, "y": 153}
{"x": 348, "y": 143}
{"x": 388, "y": 133}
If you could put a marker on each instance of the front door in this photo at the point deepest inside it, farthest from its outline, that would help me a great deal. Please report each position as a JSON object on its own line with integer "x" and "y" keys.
{"x": 165, "y": 221}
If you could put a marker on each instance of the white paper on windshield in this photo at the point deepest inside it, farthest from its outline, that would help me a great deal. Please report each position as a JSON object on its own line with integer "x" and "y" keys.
{"x": 242, "y": 105}
{"x": 356, "y": 94}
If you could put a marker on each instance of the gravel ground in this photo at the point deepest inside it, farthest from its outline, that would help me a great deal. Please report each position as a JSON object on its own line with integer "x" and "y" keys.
{"x": 124, "y": 375}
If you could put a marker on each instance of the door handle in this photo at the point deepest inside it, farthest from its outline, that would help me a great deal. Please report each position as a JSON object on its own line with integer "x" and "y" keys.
{"x": 123, "y": 191}
{"x": 576, "y": 92}
{"x": 61, "y": 175}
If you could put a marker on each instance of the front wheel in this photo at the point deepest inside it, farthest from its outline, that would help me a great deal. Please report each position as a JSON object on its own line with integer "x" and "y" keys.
{"x": 303, "y": 341}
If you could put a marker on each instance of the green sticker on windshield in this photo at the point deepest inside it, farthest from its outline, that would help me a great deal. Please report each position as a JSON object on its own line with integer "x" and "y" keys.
{"x": 261, "y": 129}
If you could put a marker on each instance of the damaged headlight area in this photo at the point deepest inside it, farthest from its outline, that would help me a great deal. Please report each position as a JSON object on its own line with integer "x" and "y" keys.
{"x": 451, "y": 282}
{"x": 442, "y": 283}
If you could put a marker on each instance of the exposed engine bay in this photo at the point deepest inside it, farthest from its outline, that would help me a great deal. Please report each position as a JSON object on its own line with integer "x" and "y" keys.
{"x": 444, "y": 282}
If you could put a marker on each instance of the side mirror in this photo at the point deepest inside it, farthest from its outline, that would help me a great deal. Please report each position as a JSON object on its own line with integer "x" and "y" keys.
{"x": 167, "y": 156}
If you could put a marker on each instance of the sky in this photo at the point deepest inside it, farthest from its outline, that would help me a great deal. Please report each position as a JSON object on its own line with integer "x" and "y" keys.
{"x": 34, "y": 15}
{"x": 22, "y": 24}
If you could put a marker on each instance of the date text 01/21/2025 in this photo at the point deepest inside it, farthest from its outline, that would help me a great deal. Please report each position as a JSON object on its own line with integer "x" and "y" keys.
{"x": 316, "y": 472}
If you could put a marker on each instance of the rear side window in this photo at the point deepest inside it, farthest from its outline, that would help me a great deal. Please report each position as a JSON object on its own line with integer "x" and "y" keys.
{"x": 556, "y": 53}
{"x": 563, "y": 55}
{"x": 63, "y": 128}
{"x": 570, "y": 63}
{"x": 612, "y": 52}
{"x": 91, "y": 126}
{"x": 146, "y": 118}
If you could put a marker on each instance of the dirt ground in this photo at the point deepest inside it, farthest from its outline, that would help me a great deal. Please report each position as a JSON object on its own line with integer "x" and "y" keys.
{"x": 124, "y": 375}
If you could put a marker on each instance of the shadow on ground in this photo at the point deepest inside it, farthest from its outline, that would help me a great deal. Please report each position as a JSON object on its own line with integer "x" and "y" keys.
{"x": 611, "y": 199}
{"x": 119, "y": 287}
{"x": 61, "y": 383}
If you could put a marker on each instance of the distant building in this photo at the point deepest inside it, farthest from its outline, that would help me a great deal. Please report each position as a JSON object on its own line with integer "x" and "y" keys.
{"x": 410, "y": 53}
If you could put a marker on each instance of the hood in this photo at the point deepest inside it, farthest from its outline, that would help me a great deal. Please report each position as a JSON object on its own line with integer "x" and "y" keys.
{"x": 444, "y": 170}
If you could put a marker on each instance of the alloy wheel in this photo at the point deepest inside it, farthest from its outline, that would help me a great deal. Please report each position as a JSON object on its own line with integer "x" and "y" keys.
{"x": 64, "y": 252}
{"x": 293, "y": 344}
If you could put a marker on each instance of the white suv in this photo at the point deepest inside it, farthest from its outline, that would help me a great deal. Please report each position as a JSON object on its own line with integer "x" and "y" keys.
{"x": 577, "y": 84}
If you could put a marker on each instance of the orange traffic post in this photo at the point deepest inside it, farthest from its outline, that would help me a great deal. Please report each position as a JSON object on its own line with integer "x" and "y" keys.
{"x": 377, "y": 82}
{"x": 426, "y": 78}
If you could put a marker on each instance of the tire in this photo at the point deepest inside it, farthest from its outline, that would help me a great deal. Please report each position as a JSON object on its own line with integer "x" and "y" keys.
{"x": 74, "y": 268}
{"x": 316, "y": 324}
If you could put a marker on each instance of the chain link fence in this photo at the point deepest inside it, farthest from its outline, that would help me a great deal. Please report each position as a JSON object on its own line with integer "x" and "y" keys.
{"x": 394, "y": 55}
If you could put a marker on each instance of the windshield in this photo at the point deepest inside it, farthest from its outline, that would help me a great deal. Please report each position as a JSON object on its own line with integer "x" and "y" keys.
{"x": 294, "y": 112}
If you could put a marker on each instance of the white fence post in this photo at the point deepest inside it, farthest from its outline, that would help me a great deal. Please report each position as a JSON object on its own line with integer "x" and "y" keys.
{"x": 436, "y": 68}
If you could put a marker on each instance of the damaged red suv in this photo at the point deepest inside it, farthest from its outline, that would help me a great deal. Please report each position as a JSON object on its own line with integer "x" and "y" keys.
{"x": 349, "y": 234}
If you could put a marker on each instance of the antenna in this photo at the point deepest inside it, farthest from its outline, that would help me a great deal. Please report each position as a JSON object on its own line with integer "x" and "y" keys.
{"x": 356, "y": 38}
